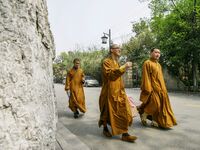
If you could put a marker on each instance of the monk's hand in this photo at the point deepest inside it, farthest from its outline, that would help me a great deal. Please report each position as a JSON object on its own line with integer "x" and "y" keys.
{"x": 83, "y": 80}
{"x": 128, "y": 65}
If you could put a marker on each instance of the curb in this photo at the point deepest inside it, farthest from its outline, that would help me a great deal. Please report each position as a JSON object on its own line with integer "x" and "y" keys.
{"x": 67, "y": 140}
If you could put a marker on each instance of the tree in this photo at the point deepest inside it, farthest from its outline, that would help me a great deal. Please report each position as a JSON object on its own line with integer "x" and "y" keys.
{"x": 91, "y": 61}
{"x": 137, "y": 49}
{"x": 176, "y": 35}
{"x": 174, "y": 27}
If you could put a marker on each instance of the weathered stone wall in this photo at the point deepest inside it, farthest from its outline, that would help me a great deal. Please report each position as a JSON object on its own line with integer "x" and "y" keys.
{"x": 127, "y": 78}
{"x": 27, "y": 101}
{"x": 172, "y": 82}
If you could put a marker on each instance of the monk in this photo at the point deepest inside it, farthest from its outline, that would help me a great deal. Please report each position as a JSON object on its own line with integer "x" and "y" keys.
{"x": 74, "y": 88}
{"x": 155, "y": 101}
{"x": 113, "y": 102}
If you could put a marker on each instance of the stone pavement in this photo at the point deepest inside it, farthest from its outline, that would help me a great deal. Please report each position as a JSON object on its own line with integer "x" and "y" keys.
{"x": 85, "y": 130}
{"x": 67, "y": 140}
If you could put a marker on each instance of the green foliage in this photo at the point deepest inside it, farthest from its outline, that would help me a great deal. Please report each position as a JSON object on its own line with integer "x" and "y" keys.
{"x": 174, "y": 28}
{"x": 59, "y": 72}
{"x": 91, "y": 61}
{"x": 176, "y": 35}
{"x": 137, "y": 49}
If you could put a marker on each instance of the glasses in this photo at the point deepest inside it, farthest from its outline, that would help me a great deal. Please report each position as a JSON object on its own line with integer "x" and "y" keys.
{"x": 116, "y": 48}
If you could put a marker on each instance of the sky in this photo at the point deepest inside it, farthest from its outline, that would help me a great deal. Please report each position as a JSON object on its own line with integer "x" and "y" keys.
{"x": 79, "y": 24}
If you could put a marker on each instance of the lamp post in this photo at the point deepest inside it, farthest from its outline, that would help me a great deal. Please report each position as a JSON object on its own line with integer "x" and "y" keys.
{"x": 105, "y": 37}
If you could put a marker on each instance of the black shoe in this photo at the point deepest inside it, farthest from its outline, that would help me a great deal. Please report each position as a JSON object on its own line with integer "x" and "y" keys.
{"x": 76, "y": 114}
{"x": 107, "y": 133}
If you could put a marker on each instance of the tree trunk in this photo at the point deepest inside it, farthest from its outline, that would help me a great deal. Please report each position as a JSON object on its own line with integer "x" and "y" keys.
{"x": 195, "y": 73}
{"x": 27, "y": 100}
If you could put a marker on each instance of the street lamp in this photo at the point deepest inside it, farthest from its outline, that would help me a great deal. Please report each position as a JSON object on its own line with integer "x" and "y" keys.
{"x": 105, "y": 37}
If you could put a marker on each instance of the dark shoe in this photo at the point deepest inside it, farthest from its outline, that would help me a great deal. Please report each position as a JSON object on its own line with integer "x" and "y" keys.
{"x": 107, "y": 133}
{"x": 75, "y": 115}
{"x": 128, "y": 138}
{"x": 77, "y": 112}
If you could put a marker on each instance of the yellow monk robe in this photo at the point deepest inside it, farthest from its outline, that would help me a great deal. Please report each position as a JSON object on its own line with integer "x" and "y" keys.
{"x": 114, "y": 105}
{"x": 75, "y": 85}
{"x": 154, "y": 95}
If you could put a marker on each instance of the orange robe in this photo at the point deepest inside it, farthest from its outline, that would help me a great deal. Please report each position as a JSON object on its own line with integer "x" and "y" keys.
{"x": 154, "y": 95}
{"x": 114, "y": 105}
{"x": 75, "y": 85}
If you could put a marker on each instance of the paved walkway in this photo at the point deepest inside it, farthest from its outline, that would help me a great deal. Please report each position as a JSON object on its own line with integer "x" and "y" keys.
{"x": 67, "y": 140}
{"x": 84, "y": 133}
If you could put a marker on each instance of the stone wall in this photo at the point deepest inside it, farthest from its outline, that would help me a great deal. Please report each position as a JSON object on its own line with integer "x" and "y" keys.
{"x": 172, "y": 82}
{"x": 27, "y": 100}
{"x": 128, "y": 79}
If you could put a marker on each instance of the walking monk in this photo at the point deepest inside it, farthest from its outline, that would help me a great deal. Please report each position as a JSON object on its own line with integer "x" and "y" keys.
{"x": 114, "y": 105}
{"x": 155, "y": 102}
{"x": 74, "y": 84}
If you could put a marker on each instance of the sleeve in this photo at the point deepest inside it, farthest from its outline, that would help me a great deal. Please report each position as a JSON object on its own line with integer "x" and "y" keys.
{"x": 112, "y": 73}
{"x": 161, "y": 77}
{"x": 83, "y": 77}
{"x": 67, "y": 83}
{"x": 146, "y": 87}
